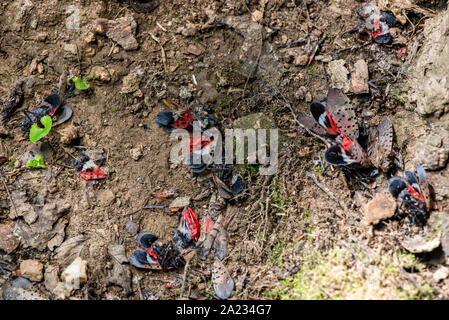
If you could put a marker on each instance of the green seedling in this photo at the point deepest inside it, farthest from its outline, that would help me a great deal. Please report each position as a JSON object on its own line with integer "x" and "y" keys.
{"x": 37, "y": 162}
{"x": 37, "y": 133}
{"x": 82, "y": 83}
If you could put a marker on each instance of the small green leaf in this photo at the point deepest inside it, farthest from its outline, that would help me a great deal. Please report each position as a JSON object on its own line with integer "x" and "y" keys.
{"x": 37, "y": 162}
{"x": 37, "y": 133}
{"x": 81, "y": 84}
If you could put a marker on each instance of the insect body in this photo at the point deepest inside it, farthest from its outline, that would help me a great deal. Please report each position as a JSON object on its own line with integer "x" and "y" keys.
{"x": 413, "y": 192}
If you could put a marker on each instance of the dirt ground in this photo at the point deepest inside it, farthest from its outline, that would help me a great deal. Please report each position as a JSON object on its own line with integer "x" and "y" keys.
{"x": 287, "y": 239}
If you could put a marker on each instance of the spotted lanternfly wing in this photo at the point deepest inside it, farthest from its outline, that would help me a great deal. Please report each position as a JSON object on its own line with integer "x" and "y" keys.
{"x": 381, "y": 145}
{"x": 347, "y": 152}
{"x": 342, "y": 113}
{"x": 322, "y": 117}
{"x": 424, "y": 185}
{"x": 337, "y": 156}
{"x": 310, "y": 124}
{"x": 222, "y": 280}
{"x": 3, "y": 160}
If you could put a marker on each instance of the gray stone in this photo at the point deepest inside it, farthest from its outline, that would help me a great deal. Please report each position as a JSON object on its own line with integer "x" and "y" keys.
{"x": 122, "y": 31}
{"x": 432, "y": 151}
{"x": 180, "y": 202}
{"x": 131, "y": 227}
{"x": 51, "y": 278}
{"x": 20, "y": 294}
{"x": 338, "y": 75}
{"x": 48, "y": 225}
{"x": 117, "y": 251}
{"x": 131, "y": 83}
{"x": 429, "y": 80}
{"x": 21, "y": 282}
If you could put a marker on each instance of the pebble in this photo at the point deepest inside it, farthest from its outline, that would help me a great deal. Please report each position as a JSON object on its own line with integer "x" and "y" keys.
{"x": 8, "y": 241}
{"x": 131, "y": 227}
{"x": 192, "y": 49}
{"x": 22, "y": 283}
{"x": 382, "y": 206}
{"x": 360, "y": 77}
{"x": 32, "y": 270}
{"x": 441, "y": 274}
{"x": 339, "y": 75}
{"x": 301, "y": 60}
{"x": 180, "y": 202}
{"x": 136, "y": 153}
{"x": 70, "y": 48}
{"x": 101, "y": 73}
{"x": 75, "y": 274}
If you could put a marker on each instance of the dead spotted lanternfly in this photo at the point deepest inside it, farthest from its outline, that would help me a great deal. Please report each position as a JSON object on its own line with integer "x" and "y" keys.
{"x": 413, "y": 192}
{"x": 335, "y": 119}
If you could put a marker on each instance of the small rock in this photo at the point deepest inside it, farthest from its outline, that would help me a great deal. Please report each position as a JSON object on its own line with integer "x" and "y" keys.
{"x": 20, "y": 294}
{"x": 180, "y": 202}
{"x": 131, "y": 83}
{"x": 117, "y": 251}
{"x": 301, "y": 60}
{"x": 90, "y": 37}
{"x": 192, "y": 49}
{"x": 308, "y": 97}
{"x": 40, "y": 68}
{"x": 257, "y": 16}
{"x": 131, "y": 227}
{"x": 121, "y": 30}
{"x": 360, "y": 77}
{"x": 189, "y": 30}
{"x": 22, "y": 283}
{"x": 70, "y": 48}
{"x": 441, "y": 274}
{"x": 51, "y": 278}
{"x": 62, "y": 291}
{"x": 8, "y": 241}
{"x": 339, "y": 75}
{"x": 105, "y": 197}
{"x": 382, "y": 206}
{"x": 75, "y": 274}
{"x": 419, "y": 243}
{"x": 136, "y": 153}
{"x": 432, "y": 151}
{"x": 185, "y": 93}
{"x": 101, "y": 73}
{"x": 32, "y": 269}
{"x": 41, "y": 37}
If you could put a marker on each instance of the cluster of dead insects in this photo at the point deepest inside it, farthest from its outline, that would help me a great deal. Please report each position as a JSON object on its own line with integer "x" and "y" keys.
{"x": 362, "y": 155}
{"x": 210, "y": 238}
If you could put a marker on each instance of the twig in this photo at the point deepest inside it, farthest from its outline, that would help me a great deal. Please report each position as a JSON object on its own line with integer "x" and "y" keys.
{"x": 327, "y": 191}
{"x": 158, "y": 24}
{"x": 164, "y": 59}
{"x": 140, "y": 289}
{"x": 112, "y": 49}
{"x": 9, "y": 194}
{"x": 184, "y": 276}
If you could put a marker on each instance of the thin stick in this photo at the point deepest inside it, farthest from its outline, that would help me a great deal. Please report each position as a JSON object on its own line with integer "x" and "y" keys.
{"x": 184, "y": 276}
{"x": 328, "y": 192}
{"x": 164, "y": 59}
{"x": 9, "y": 194}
